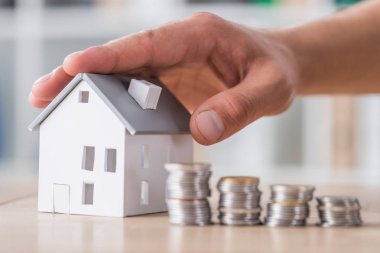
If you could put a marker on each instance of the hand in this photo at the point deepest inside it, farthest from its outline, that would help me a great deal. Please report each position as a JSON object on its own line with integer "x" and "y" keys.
{"x": 226, "y": 74}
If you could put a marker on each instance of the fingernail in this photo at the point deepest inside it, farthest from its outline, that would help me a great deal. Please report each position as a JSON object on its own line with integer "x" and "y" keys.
{"x": 210, "y": 125}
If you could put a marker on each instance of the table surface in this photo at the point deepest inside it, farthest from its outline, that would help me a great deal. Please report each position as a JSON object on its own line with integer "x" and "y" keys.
{"x": 24, "y": 229}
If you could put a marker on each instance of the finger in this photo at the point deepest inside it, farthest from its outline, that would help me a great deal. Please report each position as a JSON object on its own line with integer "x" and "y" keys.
{"x": 126, "y": 55}
{"x": 229, "y": 111}
{"x": 157, "y": 48}
{"x": 48, "y": 86}
{"x": 37, "y": 102}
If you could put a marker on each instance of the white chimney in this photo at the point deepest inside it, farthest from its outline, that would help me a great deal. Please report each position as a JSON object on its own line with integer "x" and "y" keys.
{"x": 145, "y": 93}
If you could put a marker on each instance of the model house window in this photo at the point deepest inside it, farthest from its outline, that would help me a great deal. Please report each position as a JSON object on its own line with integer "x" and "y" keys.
{"x": 88, "y": 158}
{"x": 144, "y": 193}
{"x": 88, "y": 194}
{"x": 110, "y": 160}
{"x": 145, "y": 157}
{"x": 83, "y": 96}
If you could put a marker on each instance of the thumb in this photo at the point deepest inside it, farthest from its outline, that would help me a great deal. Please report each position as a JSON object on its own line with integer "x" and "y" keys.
{"x": 231, "y": 110}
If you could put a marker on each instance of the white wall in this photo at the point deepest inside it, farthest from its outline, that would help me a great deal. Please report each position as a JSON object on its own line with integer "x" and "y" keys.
{"x": 69, "y": 128}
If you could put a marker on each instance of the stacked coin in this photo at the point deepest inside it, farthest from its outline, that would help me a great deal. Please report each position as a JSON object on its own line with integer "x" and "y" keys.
{"x": 337, "y": 211}
{"x": 239, "y": 202}
{"x": 288, "y": 205}
{"x": 187, "y": 190}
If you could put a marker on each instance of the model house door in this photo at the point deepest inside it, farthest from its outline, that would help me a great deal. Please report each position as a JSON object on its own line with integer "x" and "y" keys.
{"x": 61, "y": 198}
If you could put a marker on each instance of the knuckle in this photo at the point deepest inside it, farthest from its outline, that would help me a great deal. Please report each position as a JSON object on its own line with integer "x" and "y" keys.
{"x": 205, "y": 25}
{"x": 206, "y": 19}
{"x": 146, "y": 36}
{"x": 205, "y": 16}
{"x": 145, "y": 39}
{"x": 282, "y": 89}
{"x": 238, "y": 109}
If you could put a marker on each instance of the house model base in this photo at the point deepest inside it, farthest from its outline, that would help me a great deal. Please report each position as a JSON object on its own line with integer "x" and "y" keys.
{"x": 102, "y": 154}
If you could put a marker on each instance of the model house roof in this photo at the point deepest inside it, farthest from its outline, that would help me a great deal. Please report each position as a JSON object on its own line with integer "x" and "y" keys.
{"x": 170, "y": 117}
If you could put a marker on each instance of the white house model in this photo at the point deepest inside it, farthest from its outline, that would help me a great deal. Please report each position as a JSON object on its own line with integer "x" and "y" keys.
{"x": 101, "y": 153}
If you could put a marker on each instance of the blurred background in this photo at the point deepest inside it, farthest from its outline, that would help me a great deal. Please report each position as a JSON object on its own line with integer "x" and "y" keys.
{"x": 320, "y": 139}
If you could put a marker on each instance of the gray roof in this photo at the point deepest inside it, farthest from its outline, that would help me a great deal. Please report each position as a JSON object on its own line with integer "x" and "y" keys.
{"x": 170, "y": 117}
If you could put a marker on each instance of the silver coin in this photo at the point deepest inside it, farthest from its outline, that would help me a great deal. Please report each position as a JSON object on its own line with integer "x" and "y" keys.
{"x": 291, "y": 197}
{"x": 239, "y": 210}
{"x": 284, "y": 223}
{"x": 240, "y": 205}
{"x": 337, "y": 200}
{"x": 187, "y": 190}
{"x": 288, "y": 205}
{"x": 338, "y": 208}
{"x": 239, "y": 202}
{"x": 233, "y": 188}
{"x": 339, "y": 211}
{"x": 224, "y": 221}
{"x": 241, "y": 195}
{"x": 239, "y": 219}
{"x": 292, "y": 188}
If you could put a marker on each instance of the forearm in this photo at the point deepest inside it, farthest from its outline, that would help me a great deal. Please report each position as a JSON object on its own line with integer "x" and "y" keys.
{"x": 340, "y": 54}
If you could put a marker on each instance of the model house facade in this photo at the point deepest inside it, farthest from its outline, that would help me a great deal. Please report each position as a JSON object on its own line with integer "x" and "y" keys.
{"x": 102, "y": 154}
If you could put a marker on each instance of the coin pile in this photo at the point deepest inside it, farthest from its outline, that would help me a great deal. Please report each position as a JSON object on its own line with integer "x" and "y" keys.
{"x": 335, "y": 211}
{"x": 239, "y": 202}
{"x": 288, "y": 205}
{"x": 187, "y": 190}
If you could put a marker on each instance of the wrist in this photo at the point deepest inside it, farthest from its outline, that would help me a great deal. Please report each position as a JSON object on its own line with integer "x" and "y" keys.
{"x": 295, "y": 46}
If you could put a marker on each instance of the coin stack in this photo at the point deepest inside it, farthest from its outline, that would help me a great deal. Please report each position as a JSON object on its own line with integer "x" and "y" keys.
{"x": 288, "y": 205}
{"x": 335, "y": 211}
{"x": 187, "y": 190}
{"x": 239, "y": 202}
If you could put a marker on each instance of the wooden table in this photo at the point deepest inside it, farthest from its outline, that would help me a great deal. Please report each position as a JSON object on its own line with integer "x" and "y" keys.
{"x": 23, "y": 229}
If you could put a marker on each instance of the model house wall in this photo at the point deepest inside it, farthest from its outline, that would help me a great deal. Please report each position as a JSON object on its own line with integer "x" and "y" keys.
{"x": 73, "y": 125}
{"x": 145, "y": 172}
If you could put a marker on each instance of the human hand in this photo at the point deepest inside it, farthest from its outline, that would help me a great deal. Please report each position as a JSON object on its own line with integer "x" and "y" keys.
{"x": 226, "y": 74}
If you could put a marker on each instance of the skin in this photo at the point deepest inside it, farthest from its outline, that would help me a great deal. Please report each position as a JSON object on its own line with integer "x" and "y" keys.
{"x": 228, "y": 75}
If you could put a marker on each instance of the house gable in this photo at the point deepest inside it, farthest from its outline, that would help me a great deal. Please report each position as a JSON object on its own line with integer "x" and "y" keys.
{"x": 71, "y": 129}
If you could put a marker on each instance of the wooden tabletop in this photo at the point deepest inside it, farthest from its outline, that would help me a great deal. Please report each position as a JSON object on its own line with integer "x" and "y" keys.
{"x": 24, "y": 229}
